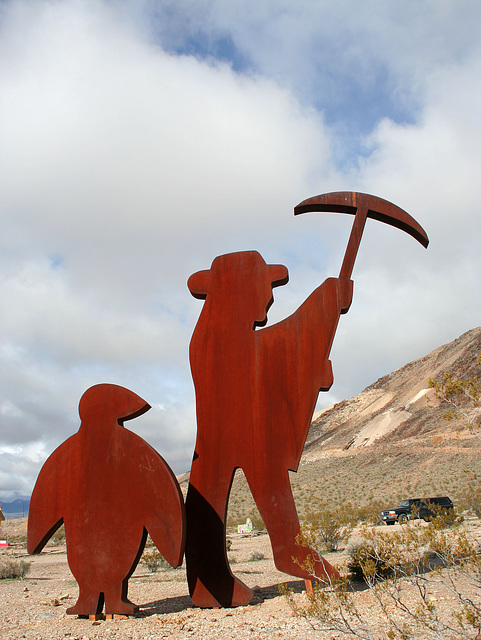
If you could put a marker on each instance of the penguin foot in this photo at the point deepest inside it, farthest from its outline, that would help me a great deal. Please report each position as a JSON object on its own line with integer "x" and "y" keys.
{"x": 86, "y": 606}
{"x": 120, "y": 607}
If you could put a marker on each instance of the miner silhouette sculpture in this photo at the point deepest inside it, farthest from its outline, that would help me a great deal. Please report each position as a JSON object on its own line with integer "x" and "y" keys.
{"x": 256, "y": 390}
{"x": 110, "y": 488}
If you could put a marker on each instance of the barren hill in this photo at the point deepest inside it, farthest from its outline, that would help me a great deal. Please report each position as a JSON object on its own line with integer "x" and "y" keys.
{"x": 387, "y": 443}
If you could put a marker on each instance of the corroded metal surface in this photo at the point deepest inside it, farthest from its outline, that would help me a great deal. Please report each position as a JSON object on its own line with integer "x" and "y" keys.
{"x": 109, "y": 487}
{"x": 256, "y": 390}
{"x": 363, "y": 206}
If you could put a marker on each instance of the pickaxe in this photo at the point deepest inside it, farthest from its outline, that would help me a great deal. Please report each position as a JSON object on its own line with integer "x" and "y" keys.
{"x": 363, "y": 206}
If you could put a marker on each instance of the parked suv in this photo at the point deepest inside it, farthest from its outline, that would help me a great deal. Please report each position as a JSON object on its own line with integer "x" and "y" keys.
{"x": 411, "y": 508}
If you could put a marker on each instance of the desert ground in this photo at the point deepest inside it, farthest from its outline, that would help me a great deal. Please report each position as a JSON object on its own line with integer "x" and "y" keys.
{"x": 35, "y": 607}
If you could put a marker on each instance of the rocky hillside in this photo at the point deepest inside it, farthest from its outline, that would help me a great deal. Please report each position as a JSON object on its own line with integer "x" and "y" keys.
{"x": 398, "y": 406}
{"x": 387, "y": 443}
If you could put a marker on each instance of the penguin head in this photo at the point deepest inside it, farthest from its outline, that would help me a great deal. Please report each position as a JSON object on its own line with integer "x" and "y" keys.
{"x": 110, "y": 403}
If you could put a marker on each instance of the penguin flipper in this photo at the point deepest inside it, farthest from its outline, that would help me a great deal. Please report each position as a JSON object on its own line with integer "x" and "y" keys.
{"x": 164, "y": 512}
{"x": 45, "y": 510}
{"x": 35, "y": 540}
{"x": 169, "y": 540}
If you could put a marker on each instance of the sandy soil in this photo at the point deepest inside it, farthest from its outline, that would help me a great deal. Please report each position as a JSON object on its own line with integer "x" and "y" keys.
{"x": 34, "y": 607}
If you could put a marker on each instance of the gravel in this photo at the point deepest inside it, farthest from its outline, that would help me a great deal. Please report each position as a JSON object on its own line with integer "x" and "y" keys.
{"x": 34, "y": 607}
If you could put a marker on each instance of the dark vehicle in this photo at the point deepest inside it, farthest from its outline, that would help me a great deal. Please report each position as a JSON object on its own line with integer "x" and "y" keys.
{"x": 412, "y": 508}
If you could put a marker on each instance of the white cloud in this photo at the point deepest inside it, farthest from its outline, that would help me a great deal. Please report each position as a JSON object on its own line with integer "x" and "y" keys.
{"x": 355, "y": 60}
{"x": 125, "y": 167}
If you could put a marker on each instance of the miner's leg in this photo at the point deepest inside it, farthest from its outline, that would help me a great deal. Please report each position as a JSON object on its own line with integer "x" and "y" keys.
{"x": 278, "y": 510}
{"x": 211, "y": 583}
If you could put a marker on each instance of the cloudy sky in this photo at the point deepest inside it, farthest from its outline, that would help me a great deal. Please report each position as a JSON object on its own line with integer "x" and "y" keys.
{"x": 140, "y": 139}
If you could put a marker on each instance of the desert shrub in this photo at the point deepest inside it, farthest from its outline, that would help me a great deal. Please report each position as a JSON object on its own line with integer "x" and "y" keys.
{"x": 444, "y": 518}
{"x": 394, "y": 566}
{"x": 149, "y": 543}
{"x": 378, "y": 554}
{"x": 13, "y": 568}
{"x": 18, "y": 538}
{"x": 365, "y": 560}
{"x": 233, "y": 519}
{"x": 154, "y": 561}
{"x": 369, "y": 513}
{"x": 470, "y": 497}
{"x": 228, "y": 544}
{"x": 256, "y": 556}
{"x": 326, "y": 529}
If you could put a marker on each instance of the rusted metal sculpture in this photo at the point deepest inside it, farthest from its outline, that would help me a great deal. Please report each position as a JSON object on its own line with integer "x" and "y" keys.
{"x": 110, "y": 488}
{"x": 256, "y": 391}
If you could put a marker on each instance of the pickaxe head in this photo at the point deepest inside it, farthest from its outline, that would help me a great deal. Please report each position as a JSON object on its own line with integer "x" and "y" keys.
{"x": 363, "y": 206}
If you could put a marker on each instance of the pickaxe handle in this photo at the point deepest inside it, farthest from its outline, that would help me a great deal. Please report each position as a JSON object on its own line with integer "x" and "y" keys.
{"x": 362, "y": 206}
{"x": 353, "y": 244}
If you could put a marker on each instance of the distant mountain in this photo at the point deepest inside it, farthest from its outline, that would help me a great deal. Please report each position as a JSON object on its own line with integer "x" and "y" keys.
{"x": 398, "y": 407}
{"x": 388, "y": 443}
{"x": 16, "y": 509}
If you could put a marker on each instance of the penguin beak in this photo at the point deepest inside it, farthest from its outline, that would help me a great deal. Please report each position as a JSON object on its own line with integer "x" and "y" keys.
{"x": 136, "y": 407}
{"x": 112, "y": 401}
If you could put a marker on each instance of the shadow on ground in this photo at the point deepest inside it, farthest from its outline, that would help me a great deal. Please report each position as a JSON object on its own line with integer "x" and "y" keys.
{"x": 181, "y": 603}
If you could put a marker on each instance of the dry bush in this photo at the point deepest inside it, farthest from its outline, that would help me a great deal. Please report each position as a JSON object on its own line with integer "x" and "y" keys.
{"x": 13, "y": 568}
{"x": 470, "y": 497}
{"x": 59, "y": 536}
{"x": 402, "y": 572}
{"x": 16, "y": 538}
{"x": 154, "y": 561}
{"x": 326, "y": 529}
{"x": 369, "y": 513}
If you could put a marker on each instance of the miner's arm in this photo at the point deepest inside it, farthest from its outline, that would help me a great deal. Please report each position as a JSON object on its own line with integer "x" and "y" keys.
{"x": 345, "y": 289}
{"x": 317, "y": 317}
{"x": 316, "y": 320}
{"x": 296, "y": 350}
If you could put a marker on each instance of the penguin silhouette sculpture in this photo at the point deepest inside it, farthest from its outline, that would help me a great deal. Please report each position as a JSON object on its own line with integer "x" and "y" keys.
{"x": 109, "y": 488}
